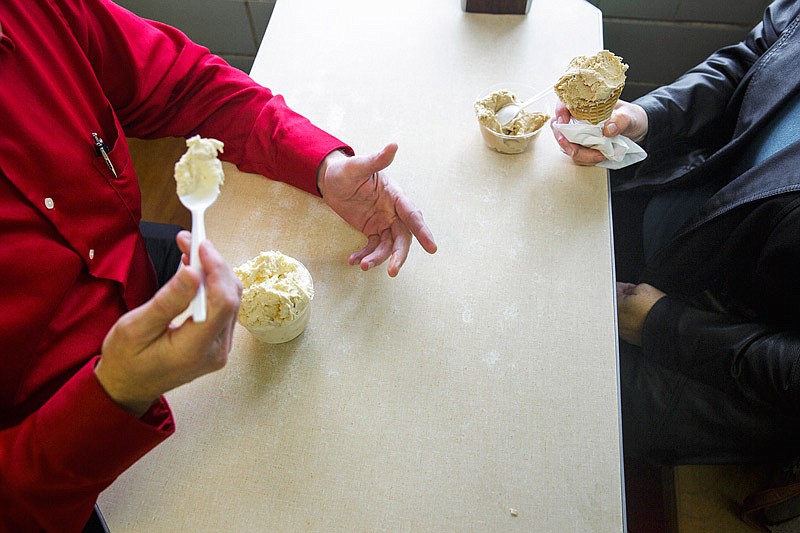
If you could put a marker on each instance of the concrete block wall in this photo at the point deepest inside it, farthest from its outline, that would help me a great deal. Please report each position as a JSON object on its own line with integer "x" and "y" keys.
{"x": 661, "y": 39}
{"x": 232, "y": 29}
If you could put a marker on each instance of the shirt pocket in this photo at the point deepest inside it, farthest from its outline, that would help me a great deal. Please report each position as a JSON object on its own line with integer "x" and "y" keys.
{"x": 112, "y": 157}
{"x": 112, "y": 160}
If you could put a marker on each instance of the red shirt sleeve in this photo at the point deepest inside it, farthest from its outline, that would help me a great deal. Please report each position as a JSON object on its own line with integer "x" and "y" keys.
{"x": 162, "y": 84}
{"x": 54, "y": 462}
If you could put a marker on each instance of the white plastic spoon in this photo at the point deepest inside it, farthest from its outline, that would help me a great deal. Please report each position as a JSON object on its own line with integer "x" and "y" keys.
{"x": 199, "y": 175}
{"x": 197, "y": 204}
{"x": 509, "y": 112}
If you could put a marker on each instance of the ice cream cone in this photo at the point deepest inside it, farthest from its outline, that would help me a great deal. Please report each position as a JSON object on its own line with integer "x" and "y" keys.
{"x": 596, "y": 112}
{"x": 591, "y": 86}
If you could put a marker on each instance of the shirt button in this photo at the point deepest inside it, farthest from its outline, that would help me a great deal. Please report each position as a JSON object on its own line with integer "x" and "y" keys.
{"x": 48, "y": 203}
{"x": 91, "y": 253}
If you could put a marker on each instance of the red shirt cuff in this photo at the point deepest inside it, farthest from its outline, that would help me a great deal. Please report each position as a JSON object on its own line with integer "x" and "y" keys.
{"x": 82, "y": 428}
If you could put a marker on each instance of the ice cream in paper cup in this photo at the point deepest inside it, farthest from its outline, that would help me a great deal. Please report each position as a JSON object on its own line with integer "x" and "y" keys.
{"x": 277, "y": 291}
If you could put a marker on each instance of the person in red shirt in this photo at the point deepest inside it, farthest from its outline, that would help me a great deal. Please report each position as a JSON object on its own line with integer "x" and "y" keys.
{"x": 88, "y": 348}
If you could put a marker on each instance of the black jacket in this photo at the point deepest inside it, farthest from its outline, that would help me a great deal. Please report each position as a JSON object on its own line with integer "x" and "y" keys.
{"x": 732, "y": 274}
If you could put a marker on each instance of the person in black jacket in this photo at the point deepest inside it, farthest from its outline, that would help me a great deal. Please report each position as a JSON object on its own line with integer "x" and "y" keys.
{"x": 707, "y": 242}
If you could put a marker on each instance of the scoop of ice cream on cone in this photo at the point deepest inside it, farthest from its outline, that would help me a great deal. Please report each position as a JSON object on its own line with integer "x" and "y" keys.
{"x": 276, "y": 296}
{"x": 592, "y": 85}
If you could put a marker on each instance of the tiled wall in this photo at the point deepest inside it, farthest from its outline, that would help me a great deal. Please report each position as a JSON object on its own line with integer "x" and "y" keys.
{"x": 659, "y": 39}
{"x": 230, "y": 28}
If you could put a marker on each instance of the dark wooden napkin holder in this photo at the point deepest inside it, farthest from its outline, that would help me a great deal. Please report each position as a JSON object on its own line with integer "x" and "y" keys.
{"x": 500, "y": 7}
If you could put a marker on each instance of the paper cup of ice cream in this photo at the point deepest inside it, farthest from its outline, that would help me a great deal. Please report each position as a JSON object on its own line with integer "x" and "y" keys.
{"x": 277, "y": 291}
{"x": 516, "y": 136}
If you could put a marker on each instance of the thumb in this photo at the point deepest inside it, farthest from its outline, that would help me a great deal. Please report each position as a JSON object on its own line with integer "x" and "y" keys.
{"x": 370, "y": 164}
{"x": 150, "y": 320}
{"x": 616, "y": 124}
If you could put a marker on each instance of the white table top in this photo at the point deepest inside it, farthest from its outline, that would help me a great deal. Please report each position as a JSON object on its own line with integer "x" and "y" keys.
{"x": 478, "y": 390}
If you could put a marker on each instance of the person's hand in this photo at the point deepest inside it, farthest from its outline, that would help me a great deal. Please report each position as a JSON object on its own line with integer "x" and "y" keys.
{"x": 359, "y": 191}
{"x": 144, "y": 356}
{"x": 633, "y": 304}
{"x": 629, "y": 120}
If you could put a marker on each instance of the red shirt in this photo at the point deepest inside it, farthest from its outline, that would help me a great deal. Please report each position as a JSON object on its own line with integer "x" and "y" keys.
{"x": 71, "y": 256}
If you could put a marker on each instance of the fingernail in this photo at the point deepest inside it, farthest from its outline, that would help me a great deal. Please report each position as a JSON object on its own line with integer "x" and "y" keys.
{"x": 612, "y": 129}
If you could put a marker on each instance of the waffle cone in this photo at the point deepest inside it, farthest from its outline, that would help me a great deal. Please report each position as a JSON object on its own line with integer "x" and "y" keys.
{"x": 597, "y": 111}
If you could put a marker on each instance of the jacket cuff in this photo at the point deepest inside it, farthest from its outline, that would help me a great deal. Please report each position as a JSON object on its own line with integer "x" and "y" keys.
{"x": 660, "y": 331}
{"x": 658, "y": 129}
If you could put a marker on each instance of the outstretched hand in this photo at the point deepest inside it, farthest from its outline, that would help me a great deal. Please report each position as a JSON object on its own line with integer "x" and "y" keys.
{"x": 359, "y": 190}
{"x": 627, "y": 119}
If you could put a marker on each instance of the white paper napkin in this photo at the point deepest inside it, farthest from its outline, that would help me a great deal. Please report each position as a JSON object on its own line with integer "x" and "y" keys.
{"x": 619, "y": 150}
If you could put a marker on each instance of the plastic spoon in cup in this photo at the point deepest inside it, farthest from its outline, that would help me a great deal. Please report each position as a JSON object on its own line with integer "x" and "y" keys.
{"x": 509, "y": 112}
{"x": 199, "y": 175}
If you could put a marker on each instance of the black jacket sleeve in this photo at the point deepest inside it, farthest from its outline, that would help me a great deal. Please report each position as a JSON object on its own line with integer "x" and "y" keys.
{"x": 747, "y": 359}
{"x": 695, "y": 116}
{"x": 698, "y": 100}
{"x": 751, "y": 347}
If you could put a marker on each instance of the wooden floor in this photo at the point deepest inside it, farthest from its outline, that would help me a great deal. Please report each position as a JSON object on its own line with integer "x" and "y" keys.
{"x": 690, "y": 498}
{"x": 708, "y": 498}
{"x": 685, "y": 499}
